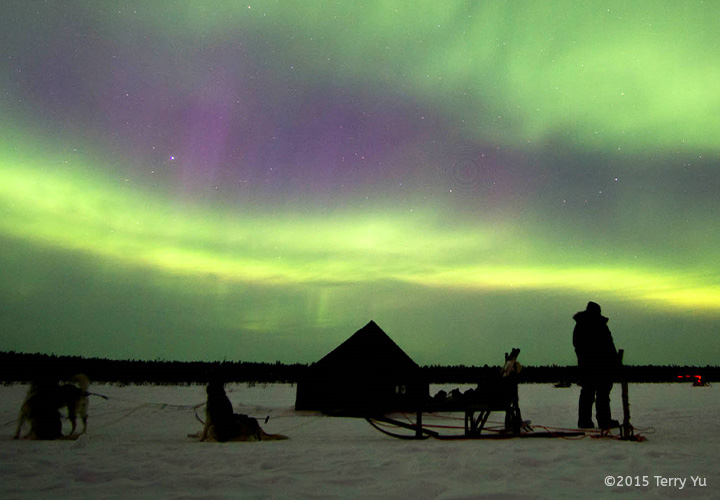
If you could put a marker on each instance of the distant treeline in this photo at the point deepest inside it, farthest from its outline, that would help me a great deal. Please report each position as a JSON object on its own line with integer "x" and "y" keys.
{"x": 568, "y": 374}
{"x": 22, "y": 367}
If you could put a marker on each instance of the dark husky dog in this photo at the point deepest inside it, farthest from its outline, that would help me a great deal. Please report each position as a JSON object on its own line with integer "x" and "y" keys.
{"x": 221, "y": 424}
{"x": 42, "y": 404}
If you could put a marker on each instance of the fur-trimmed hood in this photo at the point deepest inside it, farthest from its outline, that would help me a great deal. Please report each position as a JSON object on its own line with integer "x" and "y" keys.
{"x": 589, "y": 316}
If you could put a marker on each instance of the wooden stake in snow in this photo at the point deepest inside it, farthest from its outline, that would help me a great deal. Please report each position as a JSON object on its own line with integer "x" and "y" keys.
{"x": 626, "y": 429}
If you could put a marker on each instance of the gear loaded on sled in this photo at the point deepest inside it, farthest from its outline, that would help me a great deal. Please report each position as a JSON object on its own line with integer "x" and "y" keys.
{"x": 499, "y": 393}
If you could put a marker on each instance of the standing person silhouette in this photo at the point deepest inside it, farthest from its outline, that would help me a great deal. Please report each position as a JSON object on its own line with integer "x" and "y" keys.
{"x": 597, "y": 363}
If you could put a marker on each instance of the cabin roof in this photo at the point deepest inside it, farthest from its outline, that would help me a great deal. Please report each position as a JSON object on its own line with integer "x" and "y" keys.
{"x": 369, "y": 348}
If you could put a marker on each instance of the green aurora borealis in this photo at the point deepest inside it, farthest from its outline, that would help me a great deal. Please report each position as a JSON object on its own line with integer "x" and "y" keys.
{"x": 257, "y": 181}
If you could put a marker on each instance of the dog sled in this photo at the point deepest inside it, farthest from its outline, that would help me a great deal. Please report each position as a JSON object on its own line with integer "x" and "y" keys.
{"x": 498, "y": 395}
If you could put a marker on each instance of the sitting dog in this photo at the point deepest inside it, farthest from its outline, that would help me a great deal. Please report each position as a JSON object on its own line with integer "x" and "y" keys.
{"x": 41, "y": 405}
{"x": 222, "y": 425}
{"x": 40, "y": 409}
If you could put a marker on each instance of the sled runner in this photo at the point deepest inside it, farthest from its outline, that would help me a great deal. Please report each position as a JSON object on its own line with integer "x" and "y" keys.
{"x": 499, "y": 394}
{"x": 421, "y": 431}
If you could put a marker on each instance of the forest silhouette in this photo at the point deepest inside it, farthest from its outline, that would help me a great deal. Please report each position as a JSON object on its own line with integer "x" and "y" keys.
{"x": 25, "y": 367}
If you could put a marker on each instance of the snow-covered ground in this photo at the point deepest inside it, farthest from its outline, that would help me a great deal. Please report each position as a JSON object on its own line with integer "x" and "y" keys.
{"x": 137, "y": 447}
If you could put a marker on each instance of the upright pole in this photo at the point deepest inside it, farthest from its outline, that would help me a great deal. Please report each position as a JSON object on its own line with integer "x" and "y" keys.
{"x": 626, "y": 429}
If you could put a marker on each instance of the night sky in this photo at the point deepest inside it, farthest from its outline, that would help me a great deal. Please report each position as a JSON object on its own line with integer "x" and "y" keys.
{"x": 256, "y": 181}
